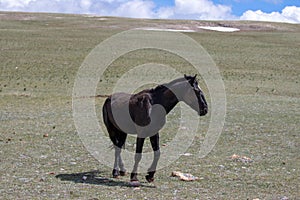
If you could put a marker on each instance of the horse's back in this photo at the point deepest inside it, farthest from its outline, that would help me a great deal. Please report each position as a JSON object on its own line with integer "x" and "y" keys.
{"x": 133, "y": 114}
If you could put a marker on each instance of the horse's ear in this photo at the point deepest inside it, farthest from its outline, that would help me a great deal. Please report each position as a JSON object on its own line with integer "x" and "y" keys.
{"x": 185, "y": 76}
{"x": 193, "y": 79}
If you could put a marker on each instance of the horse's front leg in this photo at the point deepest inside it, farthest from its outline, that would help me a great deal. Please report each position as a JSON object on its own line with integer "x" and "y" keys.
{"x": 155, "y": 146}
{"x": 137, "y": 158}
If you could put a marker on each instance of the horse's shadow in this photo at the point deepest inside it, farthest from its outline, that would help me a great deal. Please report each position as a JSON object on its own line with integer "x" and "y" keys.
{"x": 95, "y": 178}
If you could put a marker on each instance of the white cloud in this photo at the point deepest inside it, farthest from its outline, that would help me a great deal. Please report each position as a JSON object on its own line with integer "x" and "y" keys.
{"x": 290, "y": 14}
{"x": 126, "y": 8}
{"x": 64, "y": 6}
{"x": 136, "y": 8}
{"x": 196, "y": 9}
{"x": 192, "y": 9}
{"x": 85, "y": 4}
{"x": 13, "y": 4}
{"x": 165, "y": 12}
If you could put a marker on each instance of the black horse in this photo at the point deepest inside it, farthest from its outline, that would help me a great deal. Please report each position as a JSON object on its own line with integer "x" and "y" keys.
{"x": 144, "y": 114}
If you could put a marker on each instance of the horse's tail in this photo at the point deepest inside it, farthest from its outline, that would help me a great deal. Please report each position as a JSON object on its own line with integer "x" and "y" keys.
{"x": 109, "y": 126}
{"x": 102, "y": 96}
{"x": 96, "y": 96}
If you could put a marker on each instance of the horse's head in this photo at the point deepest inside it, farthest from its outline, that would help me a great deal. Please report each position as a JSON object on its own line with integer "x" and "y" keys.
{"x": 194, "y": 97}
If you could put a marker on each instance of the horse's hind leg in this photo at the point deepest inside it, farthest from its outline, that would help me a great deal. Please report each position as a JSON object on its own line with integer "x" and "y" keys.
{"x": 122, "y": 167}
{"x": 155, "y": 146}
{"x": 121, "y": 144}
{"x": 114, "y": 135}
{"x": 115, "y": 171}
{"x": 119, "y": 168}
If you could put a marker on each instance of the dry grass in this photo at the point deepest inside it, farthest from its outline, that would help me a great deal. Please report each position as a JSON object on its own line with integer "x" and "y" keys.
{"x": 40, "y": 55}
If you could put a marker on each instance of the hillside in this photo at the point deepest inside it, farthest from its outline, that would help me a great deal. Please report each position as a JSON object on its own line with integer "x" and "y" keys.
{"x": 43, "y": 157}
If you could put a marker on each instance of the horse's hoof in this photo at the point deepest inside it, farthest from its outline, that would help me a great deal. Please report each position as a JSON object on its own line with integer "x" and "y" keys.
{"x": 135, "y": 183}
{"x": 133, "y": 177}
{"x": 122, "y": 173}
{"x": 149, "y": 178}
{"x": 115, "y": 173}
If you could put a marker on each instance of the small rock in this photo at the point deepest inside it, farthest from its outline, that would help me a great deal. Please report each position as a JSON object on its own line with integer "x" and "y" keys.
{"x": 42, "y": 179}
{"x": 222, "y": 166}
{"x": 46, "y": 135}
{"x": 186, "y": 154}
{"x": 25, "y": 180}
{"x": 243, "y": 159}
{"x": 184, "y": 176}
{"x": 284, "y": 198}
{"x": 175, "y": 192}
{"x": 84, "y": 178}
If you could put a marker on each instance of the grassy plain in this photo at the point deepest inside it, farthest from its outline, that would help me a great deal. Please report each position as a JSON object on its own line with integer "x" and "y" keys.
{"x": 39, "y": 58}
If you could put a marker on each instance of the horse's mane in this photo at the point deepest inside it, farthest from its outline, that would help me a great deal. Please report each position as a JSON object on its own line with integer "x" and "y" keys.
{"x": 162, "y": 87}
{"x": 167, "y": 85}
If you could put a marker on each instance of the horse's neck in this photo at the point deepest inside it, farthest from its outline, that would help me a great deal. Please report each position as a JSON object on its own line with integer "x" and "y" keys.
{"x": 166, "y": 98}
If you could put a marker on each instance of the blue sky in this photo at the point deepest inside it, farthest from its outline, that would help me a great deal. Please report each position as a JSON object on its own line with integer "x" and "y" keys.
{"x": 259, "y": 10}
{"x": 240, "y": 6}
{"x": 268, "y": 6}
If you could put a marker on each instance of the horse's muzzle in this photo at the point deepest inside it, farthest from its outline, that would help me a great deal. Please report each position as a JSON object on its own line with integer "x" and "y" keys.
{"x": 203, "y": 112}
